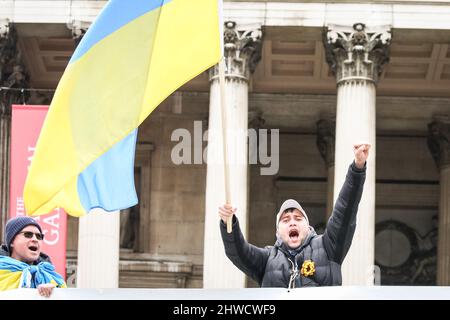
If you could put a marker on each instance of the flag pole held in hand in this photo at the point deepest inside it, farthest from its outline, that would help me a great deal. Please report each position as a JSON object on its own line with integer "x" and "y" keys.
{"x": 224, "y": 137}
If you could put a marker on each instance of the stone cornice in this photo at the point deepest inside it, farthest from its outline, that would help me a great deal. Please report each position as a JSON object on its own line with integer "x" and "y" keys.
{"x": 399, "y": 14}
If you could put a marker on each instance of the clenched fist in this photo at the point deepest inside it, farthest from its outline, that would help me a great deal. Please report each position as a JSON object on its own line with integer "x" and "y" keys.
{"x": 226, "y": 211}
{"x": 361, "y": 151}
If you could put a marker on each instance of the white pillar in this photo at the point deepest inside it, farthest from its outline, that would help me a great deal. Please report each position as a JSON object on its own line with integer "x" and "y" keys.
{"x": 240, "y": 45}
{"x": 98, "y": 250}
{"x": 356, "y": 121}
{"x": 439, "y": 145}
{"x": 219, "y": 272}
{"x": 357, "y": 66}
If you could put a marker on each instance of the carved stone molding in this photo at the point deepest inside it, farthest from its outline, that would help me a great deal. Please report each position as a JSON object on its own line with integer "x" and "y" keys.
{"x": 135, "y": 270}
{"x": 13, "y": 80}
{"x": 4, "y": 27}
{"x": 242, "y": 52}
{"x": 13, "y": 74}
{"x": 41, "y": 97}
{"x": 79, "y": 29}
{"x": 357, "y": 53}
{"x": 326, "y": 129}
{"x": 439, "y": 142}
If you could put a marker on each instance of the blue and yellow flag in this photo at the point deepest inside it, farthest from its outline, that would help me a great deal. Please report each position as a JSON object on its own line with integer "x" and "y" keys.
{"x": 17, "y": 274}
{"x": 135, "y": 54}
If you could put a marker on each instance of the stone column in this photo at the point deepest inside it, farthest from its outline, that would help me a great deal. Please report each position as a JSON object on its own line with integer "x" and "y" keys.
{"x": 98, "y": 250}
{"x": 13, "y": 78}
{"x": 439, "y": 145}
{"x": 242, "y": 52}
{"x": 356, "y": 56}
{"x": 325, "y": 143}
{"x": 98, "y": 232}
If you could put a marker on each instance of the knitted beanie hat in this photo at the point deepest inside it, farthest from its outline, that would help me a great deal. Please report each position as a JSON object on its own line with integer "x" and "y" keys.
{"x": 15, "y": 225}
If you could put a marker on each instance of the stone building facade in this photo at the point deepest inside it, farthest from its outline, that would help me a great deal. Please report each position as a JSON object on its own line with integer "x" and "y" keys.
{"x": 313, "y": 75}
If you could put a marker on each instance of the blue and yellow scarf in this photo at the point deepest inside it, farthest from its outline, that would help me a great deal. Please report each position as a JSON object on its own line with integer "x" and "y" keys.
{"x": 17, "y": 274}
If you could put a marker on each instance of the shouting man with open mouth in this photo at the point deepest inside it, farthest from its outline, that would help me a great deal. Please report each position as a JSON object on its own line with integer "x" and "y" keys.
{"x": 22, "y": 264}
{"x": 301, "y": 257}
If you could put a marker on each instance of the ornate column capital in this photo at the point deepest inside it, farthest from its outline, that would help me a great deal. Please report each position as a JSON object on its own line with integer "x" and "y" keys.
{"x": 438, "y": 141}
{"x": 79, "y": 28}
{"x": 13, "y": 73}
{"x": 4, "y": 28}
{"x": 357, "y": 53}
{"x": 326, "y": 129}
{"x": 242, "y": 47}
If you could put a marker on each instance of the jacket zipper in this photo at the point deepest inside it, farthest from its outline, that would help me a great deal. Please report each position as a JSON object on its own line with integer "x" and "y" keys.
{"x": 294, "y": 274}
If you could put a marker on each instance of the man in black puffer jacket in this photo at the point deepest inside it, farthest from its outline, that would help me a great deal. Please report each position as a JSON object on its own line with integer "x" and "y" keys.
{"x": 300, "y": 257}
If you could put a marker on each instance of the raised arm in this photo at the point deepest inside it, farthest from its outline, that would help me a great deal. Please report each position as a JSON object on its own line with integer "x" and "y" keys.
{"x": 342, "y": 223}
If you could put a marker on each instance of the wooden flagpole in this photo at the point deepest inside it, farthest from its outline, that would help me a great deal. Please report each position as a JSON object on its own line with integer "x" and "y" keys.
{"x": 223, "y": 107}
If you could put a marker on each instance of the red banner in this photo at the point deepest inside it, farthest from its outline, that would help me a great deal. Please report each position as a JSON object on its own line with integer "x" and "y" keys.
{"x": 26, "y": 125}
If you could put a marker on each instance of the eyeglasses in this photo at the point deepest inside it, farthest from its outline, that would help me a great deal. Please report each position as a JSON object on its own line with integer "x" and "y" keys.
{"x": 29, "y": 235}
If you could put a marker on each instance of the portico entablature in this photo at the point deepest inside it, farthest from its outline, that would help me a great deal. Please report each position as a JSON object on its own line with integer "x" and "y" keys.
{"x": 398, "y": 14}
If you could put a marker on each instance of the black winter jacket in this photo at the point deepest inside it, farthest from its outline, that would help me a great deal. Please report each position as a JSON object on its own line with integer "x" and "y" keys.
{"x": 273, "y": 266}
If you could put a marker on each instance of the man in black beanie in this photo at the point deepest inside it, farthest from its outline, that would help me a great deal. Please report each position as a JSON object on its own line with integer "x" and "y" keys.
{"x": 13, "y": 227}
{"x": 23, "y": 241}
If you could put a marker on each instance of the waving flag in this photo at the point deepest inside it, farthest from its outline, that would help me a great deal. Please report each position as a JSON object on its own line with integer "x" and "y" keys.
{"x": 135, "y": 54}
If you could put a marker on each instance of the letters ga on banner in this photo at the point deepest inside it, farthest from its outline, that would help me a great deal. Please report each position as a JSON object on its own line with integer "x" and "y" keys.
{"x": 26, "y": 125}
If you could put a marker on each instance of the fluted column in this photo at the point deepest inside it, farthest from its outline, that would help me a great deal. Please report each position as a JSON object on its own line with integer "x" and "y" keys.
{"x": 325, "y": 143}
{"x": 356, "y": 56}
{"x": 98, "y": 250}
{"x": 439, "y": 145}
{"x": 242, "y": 52}
{"x": 13, "y": 78}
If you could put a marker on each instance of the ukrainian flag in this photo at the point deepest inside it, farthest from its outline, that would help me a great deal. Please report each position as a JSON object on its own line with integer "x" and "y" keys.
{"x": 135, "y": 54}
{"x": 17, "y": 274}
